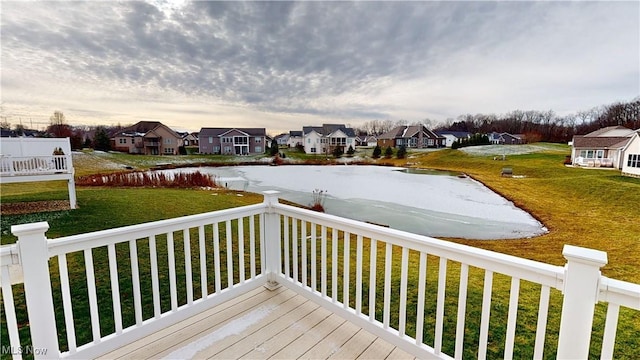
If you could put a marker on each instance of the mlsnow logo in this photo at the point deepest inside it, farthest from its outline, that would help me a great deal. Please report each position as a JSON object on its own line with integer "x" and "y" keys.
{"x": 23, "y": 350}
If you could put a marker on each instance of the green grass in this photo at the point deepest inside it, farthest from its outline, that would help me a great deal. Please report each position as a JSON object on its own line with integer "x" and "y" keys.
{"x": 590, "y": 208}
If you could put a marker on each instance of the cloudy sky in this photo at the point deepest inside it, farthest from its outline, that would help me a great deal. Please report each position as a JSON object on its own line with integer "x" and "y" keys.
{"x": 282, "y": 65}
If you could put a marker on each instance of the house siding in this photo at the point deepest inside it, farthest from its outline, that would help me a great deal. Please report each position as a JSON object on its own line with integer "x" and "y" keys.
{"x": 232, "y": 141}
{"x": 149, "y": 138}
{"x": 631, "y": 157}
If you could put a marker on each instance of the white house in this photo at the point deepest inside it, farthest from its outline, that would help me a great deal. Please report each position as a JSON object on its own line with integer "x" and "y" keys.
{"x": 453, "y": 136}
{"x": 324, "y": 139}
{"x": 295, "y": 138}
{"x": 601, "y": 148}
{"x": 314, "y": 142}
{"x": 631, "y": 156}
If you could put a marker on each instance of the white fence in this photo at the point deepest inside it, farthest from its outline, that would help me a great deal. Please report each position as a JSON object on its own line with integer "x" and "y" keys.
{"x": 410, "y": 290}
{"x": 27, "y": 160}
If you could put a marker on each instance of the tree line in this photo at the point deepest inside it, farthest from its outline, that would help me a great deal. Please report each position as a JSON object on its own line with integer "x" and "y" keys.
{"x": 534, "y": 125}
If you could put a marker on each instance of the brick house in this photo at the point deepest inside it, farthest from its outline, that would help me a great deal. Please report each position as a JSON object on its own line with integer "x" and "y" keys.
{"x": 148, "y": 138}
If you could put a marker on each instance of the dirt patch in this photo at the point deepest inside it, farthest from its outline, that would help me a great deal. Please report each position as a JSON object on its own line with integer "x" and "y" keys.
{"x": 34, "y": 207}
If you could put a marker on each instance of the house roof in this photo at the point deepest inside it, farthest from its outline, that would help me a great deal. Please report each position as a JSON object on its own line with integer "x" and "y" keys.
{"x": 142, "y": 128}
{"x": 393, "y": 133}
{"x": 599, "y": 142}
{"x": 327, "y": 129}
{"x": 204, "y": 132}
{"x": 611, "y": 131}
{"x": 457, "y": 134}
{"x": 295, "y": 133}
{"x": 404, "y": 131}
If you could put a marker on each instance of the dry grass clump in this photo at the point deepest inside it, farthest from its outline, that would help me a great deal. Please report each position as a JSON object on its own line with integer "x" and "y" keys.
{"x": 146, "y": 179}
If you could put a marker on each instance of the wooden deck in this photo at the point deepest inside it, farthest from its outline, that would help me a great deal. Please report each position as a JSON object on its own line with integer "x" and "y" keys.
{"x": 262, "y": 324}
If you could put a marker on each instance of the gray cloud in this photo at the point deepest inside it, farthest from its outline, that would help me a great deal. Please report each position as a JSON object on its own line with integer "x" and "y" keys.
{"x": 334, "y": 59}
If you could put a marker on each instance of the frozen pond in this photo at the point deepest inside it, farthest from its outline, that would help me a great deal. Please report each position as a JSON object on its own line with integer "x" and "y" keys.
{"x": 418, "y": 202}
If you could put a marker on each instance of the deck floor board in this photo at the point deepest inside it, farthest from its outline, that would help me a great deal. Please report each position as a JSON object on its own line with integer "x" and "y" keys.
{"x": 262, "y": 324}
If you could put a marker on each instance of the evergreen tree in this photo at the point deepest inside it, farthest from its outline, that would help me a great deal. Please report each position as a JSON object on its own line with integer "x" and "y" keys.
{"x": 402, "y": 152}
{"x": 388, "y": 152}
{"x": 337, "y": 151}
{"x": 350, "y": 151}
{"x": 101, "y": 140}
{"x": 377, "y": 152}
{"x": 273, "y": 150}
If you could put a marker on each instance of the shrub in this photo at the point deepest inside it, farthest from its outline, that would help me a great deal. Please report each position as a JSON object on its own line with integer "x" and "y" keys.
{"x": 350, "y": 151}
{"x": 402, "y": 152}
{"x": 317, "y": 203}
{"x": 388, "y": 152}
{"x": 377, "y": 152}
{"x": 147, "y": 179}
{"x": 337, "y": 151}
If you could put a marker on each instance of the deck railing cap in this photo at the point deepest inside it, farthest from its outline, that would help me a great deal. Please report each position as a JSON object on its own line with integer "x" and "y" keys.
{"x": 27, "y": 229}
{"x": 584, "y": 255}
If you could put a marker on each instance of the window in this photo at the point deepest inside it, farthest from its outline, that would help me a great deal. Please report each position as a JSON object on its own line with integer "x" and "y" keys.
{"x": 599, "y": 154}
{"x": 216, "y": 149}
{"x": 633, "y": 160}
{"x": 210, "y": 139}
{"x": 227, "y": 149}
{"x": 313, "y": 150}
{"x": 133, "y": 141}
{"x": 226, "y": 140}
{"x": 167, "y": 141}
{"x": 240, "y": 140}
{"x": 122, "y": 141}
{"x": 258, "y": 149}
{"x": 168, "y": 150}
{"x": 308, "y": 141}
{"x": 590, "y": 154}
{"x": 258, "y": 141}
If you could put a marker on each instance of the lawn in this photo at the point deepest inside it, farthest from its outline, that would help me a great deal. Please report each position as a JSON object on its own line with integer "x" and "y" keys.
{"x": 590, "y": 208}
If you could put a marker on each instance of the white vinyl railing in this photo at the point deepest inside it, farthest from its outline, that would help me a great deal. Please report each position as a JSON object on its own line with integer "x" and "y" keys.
{"x": 415, "y": 292}
{"x": 35, "y": 165}
{"x": 15, "y": 169}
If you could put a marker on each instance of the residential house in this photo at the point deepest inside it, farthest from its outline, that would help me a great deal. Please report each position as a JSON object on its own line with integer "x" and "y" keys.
{"x": 601, "y": 148}
{"x": 147, "y": 137}
{"x": 631, "y": 156}
{"x": 295, "y": 139}
{"x": 371, "y": 140}
{"x": 453, "y": 136}
{"x": 326, "y": 138}
{"x": 505, "y": 138}
{"x": 366, "y": 140}
{"x": 232, "y": 141}
{"x": 414, "y": 136}
{"x": 282, "y": 139}
{"x": 190, "y": 139}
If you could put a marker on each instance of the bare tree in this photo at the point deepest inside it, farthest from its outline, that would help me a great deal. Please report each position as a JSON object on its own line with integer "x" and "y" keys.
{"x": 58, "y": 125}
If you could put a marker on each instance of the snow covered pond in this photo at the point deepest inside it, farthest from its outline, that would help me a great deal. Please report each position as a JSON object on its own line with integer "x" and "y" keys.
{"x": 418, "y": 202}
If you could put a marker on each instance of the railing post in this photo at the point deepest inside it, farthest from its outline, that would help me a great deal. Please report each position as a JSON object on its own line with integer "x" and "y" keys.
{"x": 34, "y": 257}
{"x": 71, "y": 184}
{"x": 581, "y": 283}
{"x": 272, "y": 239}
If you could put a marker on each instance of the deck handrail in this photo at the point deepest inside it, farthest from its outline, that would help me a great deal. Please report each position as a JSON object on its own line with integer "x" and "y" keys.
{"x": 35, "y": 165}
{"x": 299, "y": 249}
